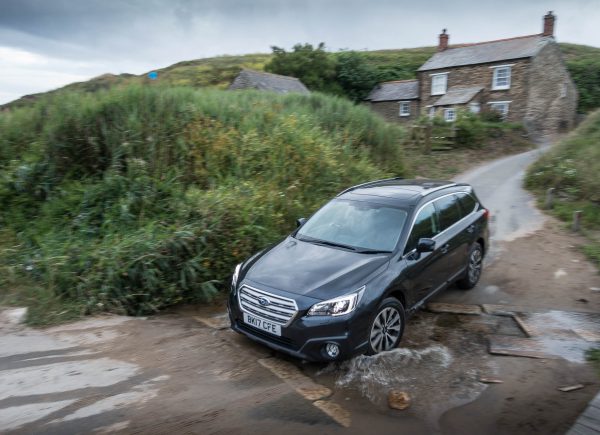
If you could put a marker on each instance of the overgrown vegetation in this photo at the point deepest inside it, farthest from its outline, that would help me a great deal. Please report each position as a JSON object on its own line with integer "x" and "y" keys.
{"x": 134, "y": 199}
{"x": 573, "y": 169}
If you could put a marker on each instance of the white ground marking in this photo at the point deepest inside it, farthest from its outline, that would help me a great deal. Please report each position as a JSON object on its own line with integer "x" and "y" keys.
{"x": 559, "y": 273}
{"x": 66, "y": 376}
{"x": 16, "y": 416}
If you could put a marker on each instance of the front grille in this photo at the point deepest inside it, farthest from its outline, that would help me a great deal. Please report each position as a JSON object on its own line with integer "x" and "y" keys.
{"x": 283, "y": 341}
{"x": 278, "y": 309}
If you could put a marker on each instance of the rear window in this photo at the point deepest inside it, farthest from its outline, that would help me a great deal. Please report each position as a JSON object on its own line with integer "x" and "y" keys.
{"x": 449, "y": 211}
{"x": 467, "y": 203}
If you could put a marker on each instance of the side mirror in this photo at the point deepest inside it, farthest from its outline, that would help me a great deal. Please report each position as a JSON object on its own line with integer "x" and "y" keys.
{"x": 425, "y": 245}
{"x": 300, "y": 222}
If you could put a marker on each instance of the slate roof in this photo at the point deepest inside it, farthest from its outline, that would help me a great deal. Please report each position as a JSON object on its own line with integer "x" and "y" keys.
{"x": 395, "y": 90}
{"x": 263, "y": 81}
{"x": 485, "y": 52}
{"x": 458, "y": 95}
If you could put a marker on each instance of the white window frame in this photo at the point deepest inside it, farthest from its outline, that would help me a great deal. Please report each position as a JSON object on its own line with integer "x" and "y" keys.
{"x": 435, "y": 77}
{"x": 431, "y": 112}
{"x": 450, "y": 114}
{"x": 563, "y": 90}
{"x": 497, "y": 69}
{"x": 495, "y": 104}
{"x": 474, "y": 107}
{"x": 404, "y": 105}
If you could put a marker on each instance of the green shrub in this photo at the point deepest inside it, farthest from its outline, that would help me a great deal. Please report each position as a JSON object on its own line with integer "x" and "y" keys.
{"x": 470, "y": 130}
{"x": 138, "y": 198}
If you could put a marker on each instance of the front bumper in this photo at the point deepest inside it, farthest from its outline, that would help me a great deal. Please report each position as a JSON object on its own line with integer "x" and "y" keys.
{"x": 306, "y": 337}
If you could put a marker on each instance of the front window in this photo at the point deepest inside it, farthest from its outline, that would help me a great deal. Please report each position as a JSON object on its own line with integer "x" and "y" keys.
{"x": 431, "y": 112}
{"x": 404, "y": 108}
{"x": 426, "y": 226}
{"x": 501, "y": 107}
{"x": 356, "y": 225}
{"x": 449, "y": 114}
{"x": 439, "y": 83}
{"x": 501, "y": 79}
{"x": 474, "y": 108}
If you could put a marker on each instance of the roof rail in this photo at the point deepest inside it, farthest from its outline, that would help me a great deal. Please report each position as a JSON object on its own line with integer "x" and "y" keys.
{"x": 428, "y": 191}
{"x": 370, "y": 183}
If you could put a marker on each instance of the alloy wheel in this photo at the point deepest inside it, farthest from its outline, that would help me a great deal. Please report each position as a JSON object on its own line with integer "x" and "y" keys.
{"x": 386, "y": 329}
{"x": 475, "y": 265}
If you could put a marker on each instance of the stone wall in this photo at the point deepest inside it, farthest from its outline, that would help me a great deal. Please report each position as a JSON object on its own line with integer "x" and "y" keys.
{"x": 482, "y": 75}
{"x": 552, "y": 102}
{"x": 390, "y": 110}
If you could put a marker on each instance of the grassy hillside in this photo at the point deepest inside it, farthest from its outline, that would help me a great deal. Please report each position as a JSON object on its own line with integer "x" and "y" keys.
{"x": 136, "y": 198}
{"x": 573, "y": 169}
{"x": 583, "y": 62}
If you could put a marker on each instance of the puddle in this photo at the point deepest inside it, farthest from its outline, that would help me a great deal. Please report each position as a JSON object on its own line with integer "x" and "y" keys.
{"x": 564, "y": 334}
{"x": 439, "y": 366}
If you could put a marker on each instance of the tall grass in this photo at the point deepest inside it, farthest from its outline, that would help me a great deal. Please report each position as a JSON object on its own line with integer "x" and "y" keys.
{"x": 572, "y": 168}
{"x": 134, "y": 199}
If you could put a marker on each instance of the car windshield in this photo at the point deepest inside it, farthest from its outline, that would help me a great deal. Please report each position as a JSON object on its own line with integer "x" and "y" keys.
{"x": 356, "y": 225}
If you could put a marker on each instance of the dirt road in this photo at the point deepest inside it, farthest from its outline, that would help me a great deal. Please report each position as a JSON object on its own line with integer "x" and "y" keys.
{"x": 183, "y": 372}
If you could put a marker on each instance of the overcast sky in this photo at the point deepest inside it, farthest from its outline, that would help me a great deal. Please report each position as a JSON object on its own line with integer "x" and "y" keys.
{"x": 45, "y": 44}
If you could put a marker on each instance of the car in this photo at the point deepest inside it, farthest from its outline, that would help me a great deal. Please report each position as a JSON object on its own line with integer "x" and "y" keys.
{"x": 346, "y": 280}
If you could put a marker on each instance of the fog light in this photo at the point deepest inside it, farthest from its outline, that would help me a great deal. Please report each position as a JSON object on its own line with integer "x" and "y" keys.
{"x": 332, "y": 350}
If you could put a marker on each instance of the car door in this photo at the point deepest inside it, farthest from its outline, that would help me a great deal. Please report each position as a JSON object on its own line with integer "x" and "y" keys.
{"x": 451, "y": 237}
{"x": 425, "y": 272}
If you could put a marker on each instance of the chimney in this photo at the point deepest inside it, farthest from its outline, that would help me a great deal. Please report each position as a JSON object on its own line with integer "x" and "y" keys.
{"x": 549, "y": 19}
{"x": 443, "y": 45}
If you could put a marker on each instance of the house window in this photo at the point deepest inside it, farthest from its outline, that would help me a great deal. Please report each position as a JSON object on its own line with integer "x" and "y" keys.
{"x": 439, "y": 83}
{"x": 501, "y": 79}
{"x": 474, "y": 107}
{"x": 449, "y": 114}
{"x": 563, "y": 90}
{"x": 500, "y": 107}
{"x": 431, "y": 112}
{"x": 404, "y": 108}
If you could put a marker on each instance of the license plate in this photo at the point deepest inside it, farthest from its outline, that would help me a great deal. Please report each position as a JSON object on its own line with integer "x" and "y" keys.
{"x": 262, "y": 324}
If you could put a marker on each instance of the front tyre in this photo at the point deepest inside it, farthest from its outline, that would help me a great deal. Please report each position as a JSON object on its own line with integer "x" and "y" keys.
{"x": 474, "y": 267}
{"x": 387, "y": 326}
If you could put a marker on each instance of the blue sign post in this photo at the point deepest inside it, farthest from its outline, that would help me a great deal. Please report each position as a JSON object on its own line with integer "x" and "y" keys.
{"x": 152, "y": 75}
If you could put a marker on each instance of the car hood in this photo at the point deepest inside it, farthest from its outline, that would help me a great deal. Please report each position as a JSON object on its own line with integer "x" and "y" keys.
{"x": 320, "y": 272}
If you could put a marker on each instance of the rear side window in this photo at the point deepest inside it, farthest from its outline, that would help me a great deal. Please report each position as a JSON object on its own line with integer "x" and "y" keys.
{"x": 448, "y": 210}
{"x": 426, "y": 226}
{"x": 467, "y": 203}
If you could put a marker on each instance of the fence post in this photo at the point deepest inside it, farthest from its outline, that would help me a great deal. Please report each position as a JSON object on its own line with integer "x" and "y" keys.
{"x": 427, "y": 148}
{"x": 549, "y": 198}
{"x": 577, "y": 220}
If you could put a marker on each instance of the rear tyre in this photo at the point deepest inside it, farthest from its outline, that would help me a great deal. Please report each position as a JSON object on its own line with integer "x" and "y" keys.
{"x": 474, "y": 267}
{"x": 387, "y": 326}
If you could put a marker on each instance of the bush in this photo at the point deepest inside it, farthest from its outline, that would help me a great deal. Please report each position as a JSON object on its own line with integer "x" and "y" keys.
{"x": 134, "y": 199}
{"x": 470, "y": 130}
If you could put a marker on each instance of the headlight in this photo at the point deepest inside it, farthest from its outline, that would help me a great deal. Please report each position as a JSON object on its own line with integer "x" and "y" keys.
{"x": 338, "y": 306}
{"x": 236, "y": 275}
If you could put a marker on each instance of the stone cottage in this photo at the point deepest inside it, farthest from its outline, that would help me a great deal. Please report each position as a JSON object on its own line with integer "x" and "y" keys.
{"x": 522, "y": 78}
{"x": 264, "y": 81}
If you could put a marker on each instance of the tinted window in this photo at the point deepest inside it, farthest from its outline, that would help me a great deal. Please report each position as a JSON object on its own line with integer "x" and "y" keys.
{"x": 448, "y": 210}
{"x": 426, "y": 226}
{"x": 467, "y": 203}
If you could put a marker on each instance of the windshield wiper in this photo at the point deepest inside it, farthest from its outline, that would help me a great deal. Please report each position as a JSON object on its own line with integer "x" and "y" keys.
{"x": 372, "y": 251}
{"x": 326, "y": 242}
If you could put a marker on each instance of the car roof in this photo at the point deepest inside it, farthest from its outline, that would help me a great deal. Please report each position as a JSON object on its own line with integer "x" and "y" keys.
{"x": 397, "y": 190}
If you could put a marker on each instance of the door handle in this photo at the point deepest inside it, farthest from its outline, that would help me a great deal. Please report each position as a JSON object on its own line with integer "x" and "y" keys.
{"x": 471, "y": 228}
{"x": 445, "y": 248}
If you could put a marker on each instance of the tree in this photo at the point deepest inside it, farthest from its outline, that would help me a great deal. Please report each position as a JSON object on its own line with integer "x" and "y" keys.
{"x": 313, "y": 66}
{"x": 355, "y": 75}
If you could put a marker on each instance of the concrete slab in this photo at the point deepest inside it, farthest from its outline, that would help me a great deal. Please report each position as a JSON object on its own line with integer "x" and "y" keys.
{"x": 439, "y": 307}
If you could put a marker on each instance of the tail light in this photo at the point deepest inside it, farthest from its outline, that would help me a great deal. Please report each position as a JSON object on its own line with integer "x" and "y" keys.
{"x": 486, "y": 214}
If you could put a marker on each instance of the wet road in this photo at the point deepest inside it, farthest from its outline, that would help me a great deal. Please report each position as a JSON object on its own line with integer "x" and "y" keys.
{"x": 499, "y": 186}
